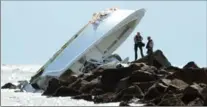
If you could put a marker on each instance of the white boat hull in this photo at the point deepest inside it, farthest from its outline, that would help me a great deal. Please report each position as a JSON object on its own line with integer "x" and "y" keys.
{"x": 92, "y": 42}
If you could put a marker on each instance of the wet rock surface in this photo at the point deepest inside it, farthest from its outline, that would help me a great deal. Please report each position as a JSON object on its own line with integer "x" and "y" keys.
{"x": 9, "y": 86}
{"x": 123, "y": 103}
{"x": 159, "y": 84}
{"x": 87, "y": 97}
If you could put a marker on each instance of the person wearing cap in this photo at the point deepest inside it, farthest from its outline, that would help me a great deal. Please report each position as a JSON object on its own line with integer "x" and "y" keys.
{"x": 138, "y": 44}
{"x": 149, "y": 47}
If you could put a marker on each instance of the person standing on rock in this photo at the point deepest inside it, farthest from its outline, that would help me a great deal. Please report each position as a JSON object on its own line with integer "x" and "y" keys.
{"x": 138, "y": 43}
{"x": 149, "y": 46}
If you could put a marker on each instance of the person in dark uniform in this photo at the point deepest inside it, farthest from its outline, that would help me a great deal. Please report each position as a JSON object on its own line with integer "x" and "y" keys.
{"x": 138, "y": 44}
{"x": 149, "y": 47}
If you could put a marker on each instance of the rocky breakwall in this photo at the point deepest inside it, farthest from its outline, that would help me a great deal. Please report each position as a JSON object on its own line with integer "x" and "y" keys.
{"x": 158, "y": 84}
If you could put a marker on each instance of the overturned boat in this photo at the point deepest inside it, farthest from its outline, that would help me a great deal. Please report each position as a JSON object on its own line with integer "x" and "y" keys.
{"x": 94, "y": 43}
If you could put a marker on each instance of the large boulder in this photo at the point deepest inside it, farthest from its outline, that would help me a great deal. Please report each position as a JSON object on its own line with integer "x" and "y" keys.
{"x": 163, "y": 72}
{"x": 205, "y": 102}
{"x": 172, "y": 69}
{"x": 190, "y": 64}
{"x": 65, "y": 91}
{"x": 142, "y": 73}
{"x": 86, "y": 97}
{"x": 124, "y": 103}
{"x": 137, "y": 66}
{"x": 143, "y": 67}
{"x": 144, "y": 86}
{"x": 105, "y": 98}
{"x": 142, "y": 76}
{"x": 191, "y": 93}
{"x": 53, "y": 85}
{"x": 171, "y": 100}
{"x": 123, "y": 84}
{"x": 91, "y": 76}
{"x": 204, "y": 95}
{"x": 97, "y": 91}
{"x": 97, "y": 71}
{"x": 159, "y": 88}
{"x": 178, "y": 83}
{"x": 110, "y": 77}
{"x": 158, "y": 58}
{"x": 195, "y": 95}
{"x": 155, "y": 90}
{"x": 86, "y": 87}
{"x": 196, "y": 102}
{"x": 77, "y": 84}
{"x": 9, "y": 86}
{"x": 129, "y": 93}
{"x": 189, "y": 76}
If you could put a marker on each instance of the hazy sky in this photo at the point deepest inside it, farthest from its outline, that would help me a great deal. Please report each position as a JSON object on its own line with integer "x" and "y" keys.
{"x": 32, "y": 31}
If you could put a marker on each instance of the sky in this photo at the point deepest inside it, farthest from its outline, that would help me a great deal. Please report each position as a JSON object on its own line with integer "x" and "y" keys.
{"x": 32, "y": 31}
